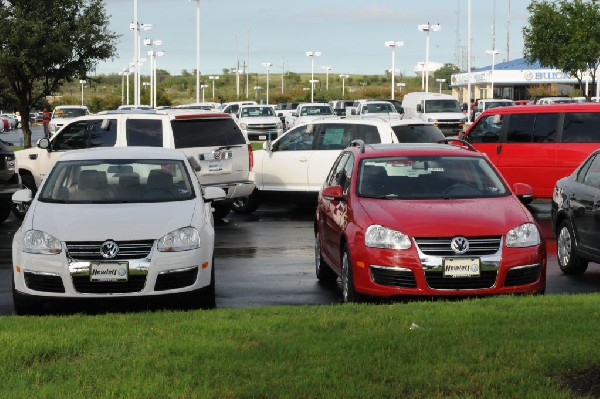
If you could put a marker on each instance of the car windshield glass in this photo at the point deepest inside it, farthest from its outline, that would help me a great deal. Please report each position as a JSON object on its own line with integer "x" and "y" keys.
{"x": 428, "y": 177}
{"x": 379, "y": 108}
{"x": 69, "y": 112}
{"x": 316, "y": 110}
{"x": 418, "y": 133}
{"x": 257, "y": 111}
{"x": 117, "y": 181}
{"x": 442, "y": 106}
{"x": 499, "y": 104}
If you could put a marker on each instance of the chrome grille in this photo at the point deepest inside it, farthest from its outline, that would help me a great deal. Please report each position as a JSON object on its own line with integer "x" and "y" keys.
{"x": 263, "y": 126}
{"x": 90, "y": 250}
{"x": 440, "y": 246}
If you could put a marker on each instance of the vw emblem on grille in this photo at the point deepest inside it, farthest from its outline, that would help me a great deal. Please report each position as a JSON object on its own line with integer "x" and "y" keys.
{"x": 217, "y": 154}
{"x": 109, "y": 249}
{"x": 459, "y": 245}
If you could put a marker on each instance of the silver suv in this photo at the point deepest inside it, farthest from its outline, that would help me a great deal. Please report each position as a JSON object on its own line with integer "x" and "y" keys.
{"x": 213, "y": 142}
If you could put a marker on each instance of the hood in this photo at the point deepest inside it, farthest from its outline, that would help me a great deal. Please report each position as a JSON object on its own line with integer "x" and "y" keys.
{"x": 97, "y": 222}
{"x": 304, "y": 119}
{"x": 468, "y": 217}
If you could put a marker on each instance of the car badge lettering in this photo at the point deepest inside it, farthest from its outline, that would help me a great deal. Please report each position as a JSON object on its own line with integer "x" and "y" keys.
{"x": 459, "y": 245}
{"x": 109, "y": 249}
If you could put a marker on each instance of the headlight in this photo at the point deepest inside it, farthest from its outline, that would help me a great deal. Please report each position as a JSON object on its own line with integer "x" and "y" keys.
{"x": 382, "y": 237}
{"x": 183, "y": 239}
{"x": 432, "y": 120}
{"x": 38, "y": 242}
{"x": 525, "y": 235}
{"x": 243, "y": 126}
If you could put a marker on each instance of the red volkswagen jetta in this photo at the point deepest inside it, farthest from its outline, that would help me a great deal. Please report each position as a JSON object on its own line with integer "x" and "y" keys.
{"x": 425, "y": 219}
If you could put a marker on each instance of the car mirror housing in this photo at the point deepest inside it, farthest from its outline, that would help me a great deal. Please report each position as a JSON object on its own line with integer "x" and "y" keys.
{"x": 333, "y": 192}
{"x": 22, "y": 196}
{"x": 267, "y": 146}
{"x": 213, "y": 194}
{"x": 44, "y": 143}
{"x": 523, "y": 191}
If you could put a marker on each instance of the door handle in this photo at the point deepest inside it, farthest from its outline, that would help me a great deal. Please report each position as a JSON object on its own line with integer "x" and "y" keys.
{"x": 303, "y": 159}
{"x": 498, "y": 149}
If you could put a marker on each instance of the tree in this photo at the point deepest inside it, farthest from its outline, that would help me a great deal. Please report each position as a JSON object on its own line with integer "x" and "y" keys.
{"x": 564, "y": 35}
{"x": 45, "y": 43}
{"x": 446, "y": 72}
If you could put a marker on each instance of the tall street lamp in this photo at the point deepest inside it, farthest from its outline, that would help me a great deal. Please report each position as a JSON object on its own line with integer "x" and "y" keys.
{"x": 393, "y": 45}
{"x": 213, "y": 78}
{"x": 197, "y": 50}
{"x": 203, "y": 87}
{"x": 312, "y": 55}
{"x": 267, "y": 65}
{"x": 493, "y": 53}
{"x": 82, "y": 82}
{"x": 152, "y": 54}
{"x": 326, "y": 68}
{"x": 344, "y": 77}
{"x": 136, "y": 27}
{"x": 440, "y": 81}
{"x": 159, "y": 53}
{"x": 428, "y": 28}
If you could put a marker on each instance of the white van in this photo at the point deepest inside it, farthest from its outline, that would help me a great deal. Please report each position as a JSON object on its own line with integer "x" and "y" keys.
{"x": 441, "y": 109}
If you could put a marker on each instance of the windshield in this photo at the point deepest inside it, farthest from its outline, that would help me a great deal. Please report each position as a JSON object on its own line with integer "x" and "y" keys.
{"x": 379, "y": 108}
{"x": 69, "y": 112}
{"x": 117, "y": 181}
{"x": 418, "y": 134}
{"x": 428, "y": 177}
{"x": 316, "y": 110}
{"x": 432, "y": 106}
{"x": 499, "y": 104}
{"x": 250, "y": 112}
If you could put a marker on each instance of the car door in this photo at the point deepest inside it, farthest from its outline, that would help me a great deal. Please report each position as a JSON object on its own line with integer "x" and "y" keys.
{"x": 584, "y": 201}
{"x": 485, "y": 135}
{"x": 285, "y": 167}
{"x": 332, "y": 138}
{"x": 333, "y": 211}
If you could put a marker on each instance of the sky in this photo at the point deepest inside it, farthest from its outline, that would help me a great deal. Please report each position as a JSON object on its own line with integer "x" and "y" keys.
{"x": 350, "y": 34}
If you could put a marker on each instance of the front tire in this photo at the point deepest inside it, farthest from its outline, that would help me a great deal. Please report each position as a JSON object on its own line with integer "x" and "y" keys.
{"x": 25, "y": 305}
{"x": 568, "y": 260}
{"x": 349, "y": 294}
{"x": 208, "y": 295}
{"x": 323, "y": 271}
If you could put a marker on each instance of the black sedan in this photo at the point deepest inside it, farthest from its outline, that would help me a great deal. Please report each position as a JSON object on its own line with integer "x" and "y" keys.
{"x": 576, "y": 216}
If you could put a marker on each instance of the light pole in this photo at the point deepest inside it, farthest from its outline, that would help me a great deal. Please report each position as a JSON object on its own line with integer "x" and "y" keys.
{"x": 136, "y": 27}
{"x": 326, "y": 68}
{"x": 256, "y": 90}
{"x": 155, "y": 84}
{"x": 152, "y": 54}
{"x": 493, "y": 53}
{"x": 440, "y": 81}
{"x": 213, "y": 78}
{"x": 197, "y": 50}
{"x": 124, "y": 72}
{"x": 82, "y": 83}
{"x": 312, "y": 55}
{"x": 344, "y": 77}
{"x": 203, "y": 87}
{"x": 400, "y": 85}
{"x": 428, "y": 28}
{"x": 267, "y": 65}
{"x": 422, "y": 65}
{"x": 393, "y": 45}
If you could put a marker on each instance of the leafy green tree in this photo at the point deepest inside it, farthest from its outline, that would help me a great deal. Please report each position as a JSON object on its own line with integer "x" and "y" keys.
{"x": 565, "y": 35}
{"x": 446, "y": 72}
{"x": 46, "y": 43}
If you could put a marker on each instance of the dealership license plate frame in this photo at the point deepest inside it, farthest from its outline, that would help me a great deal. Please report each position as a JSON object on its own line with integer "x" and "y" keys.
{"x": 108, "y": 276}
{"x": 461, "y": 267}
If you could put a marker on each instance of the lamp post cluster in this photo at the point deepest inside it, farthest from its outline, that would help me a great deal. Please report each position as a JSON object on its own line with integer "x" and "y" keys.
{"x": 427, "y": 28}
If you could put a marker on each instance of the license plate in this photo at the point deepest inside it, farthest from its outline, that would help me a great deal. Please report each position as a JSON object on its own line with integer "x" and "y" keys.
{"x": 109, "y": 271}
{"x": 215, "y": 166}
{"x": 461, "y": 267}
{"x": 262, "y": 137}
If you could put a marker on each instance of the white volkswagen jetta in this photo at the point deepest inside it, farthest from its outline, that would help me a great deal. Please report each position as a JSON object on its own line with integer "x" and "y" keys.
{"x": 116, "y": 222}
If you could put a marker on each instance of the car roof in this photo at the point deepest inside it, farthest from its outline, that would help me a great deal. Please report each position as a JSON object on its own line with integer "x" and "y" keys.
{"x": 123, "y": 153}
{"x": 71, "y": 106}
{"x": 545, "y": 108}
{"x": 172, "y": 113}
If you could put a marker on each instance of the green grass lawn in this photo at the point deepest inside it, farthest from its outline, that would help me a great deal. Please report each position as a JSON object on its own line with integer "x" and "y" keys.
{"x": 510, "y": 347}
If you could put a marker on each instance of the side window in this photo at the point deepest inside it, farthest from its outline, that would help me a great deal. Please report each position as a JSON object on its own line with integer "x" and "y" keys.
{"x": 335, "y": 136}
{"x": 87, "y": 134}
{"x": 520, "y": 128}
{"x": 544, "y": 129}
{"x": 581, "y": 127}
{"x": 583, "y": 170}
{"x": 486, "y": 130}
{"x": 144, "y": 132}
{"x": 299, "y": 139}
{"x": 592, "y": 175}
{"x": 338, "y": 166}
{"x": 368, "y": 133}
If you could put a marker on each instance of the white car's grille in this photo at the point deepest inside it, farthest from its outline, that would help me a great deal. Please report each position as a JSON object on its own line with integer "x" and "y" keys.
{"x": 90, "y": 250}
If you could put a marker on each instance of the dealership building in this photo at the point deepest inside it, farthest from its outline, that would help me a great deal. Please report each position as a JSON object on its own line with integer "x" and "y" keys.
{"x": 512, "y": 79}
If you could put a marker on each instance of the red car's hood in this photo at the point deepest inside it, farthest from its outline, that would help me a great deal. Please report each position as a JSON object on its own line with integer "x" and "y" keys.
{"x": 468, "y": 217}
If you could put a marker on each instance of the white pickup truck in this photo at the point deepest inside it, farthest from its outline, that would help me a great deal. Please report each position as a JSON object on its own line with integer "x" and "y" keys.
{"x": 377, "y": 109}
{"x": 307, "y": 112}
{"x": 259, "y": 122}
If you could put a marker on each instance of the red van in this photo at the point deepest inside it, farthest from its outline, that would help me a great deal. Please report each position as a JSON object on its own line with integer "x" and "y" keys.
{"x": 537, "y": 144}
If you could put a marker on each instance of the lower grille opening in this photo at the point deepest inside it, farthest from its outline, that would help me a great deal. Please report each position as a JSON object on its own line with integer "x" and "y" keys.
{"x": 44, "y": 282}
{"x": 178, "y": 279}
{"x": 393, "y": 277}
{"x": 522, "y": 275}
{"x": 436, "y": 280}
{"x": 135, "y": 283}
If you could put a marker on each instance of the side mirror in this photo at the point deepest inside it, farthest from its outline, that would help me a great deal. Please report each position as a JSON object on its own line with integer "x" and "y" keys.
{"x": 401, "y": 110}
{"x": 294, "y": 114}
{"x": 213, "y": 194}
{"x": 268, "y": 146}
{"x": 280, "y": 114}
{"x": 22, "y": 196}
{"x": 523, "y": 191}
{"x": 419, "y": 109}
{"x": 354, "y": 112}
{"x": 44, "y": 143}
{"x": 333, "y": 193}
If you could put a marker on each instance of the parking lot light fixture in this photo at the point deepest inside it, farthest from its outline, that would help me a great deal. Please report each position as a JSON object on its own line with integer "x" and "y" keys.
{"x": 267, "y": 65}
{"x": 493, "y": 53}
{"x": 344, "y": 77}
{"x": 82, "y": 82}
{"x": 400, "y": 85}
{"x": 213, "y": 78}
{"x": 326, "y": 68}
{"x": 440, "y": 81}
{"x": 312, "y": 55}
{"x": 428, "y": 28}
{"x": 393, "y": 44}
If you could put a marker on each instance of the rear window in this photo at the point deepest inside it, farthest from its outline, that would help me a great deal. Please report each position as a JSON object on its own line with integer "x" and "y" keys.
{"x": 581, "y": 127}
{"x": 418, "y": 134}
{"x": 189, "y": 133}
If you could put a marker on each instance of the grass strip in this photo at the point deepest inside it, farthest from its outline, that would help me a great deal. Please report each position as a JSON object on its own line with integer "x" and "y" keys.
{"x": 508, "y": 347}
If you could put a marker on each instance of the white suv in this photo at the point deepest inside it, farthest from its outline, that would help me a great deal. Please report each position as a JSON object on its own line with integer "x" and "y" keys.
{"x": 294, "y": 166}
{"x": 64, "y": 114}
{"x": 219, "y": 152}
